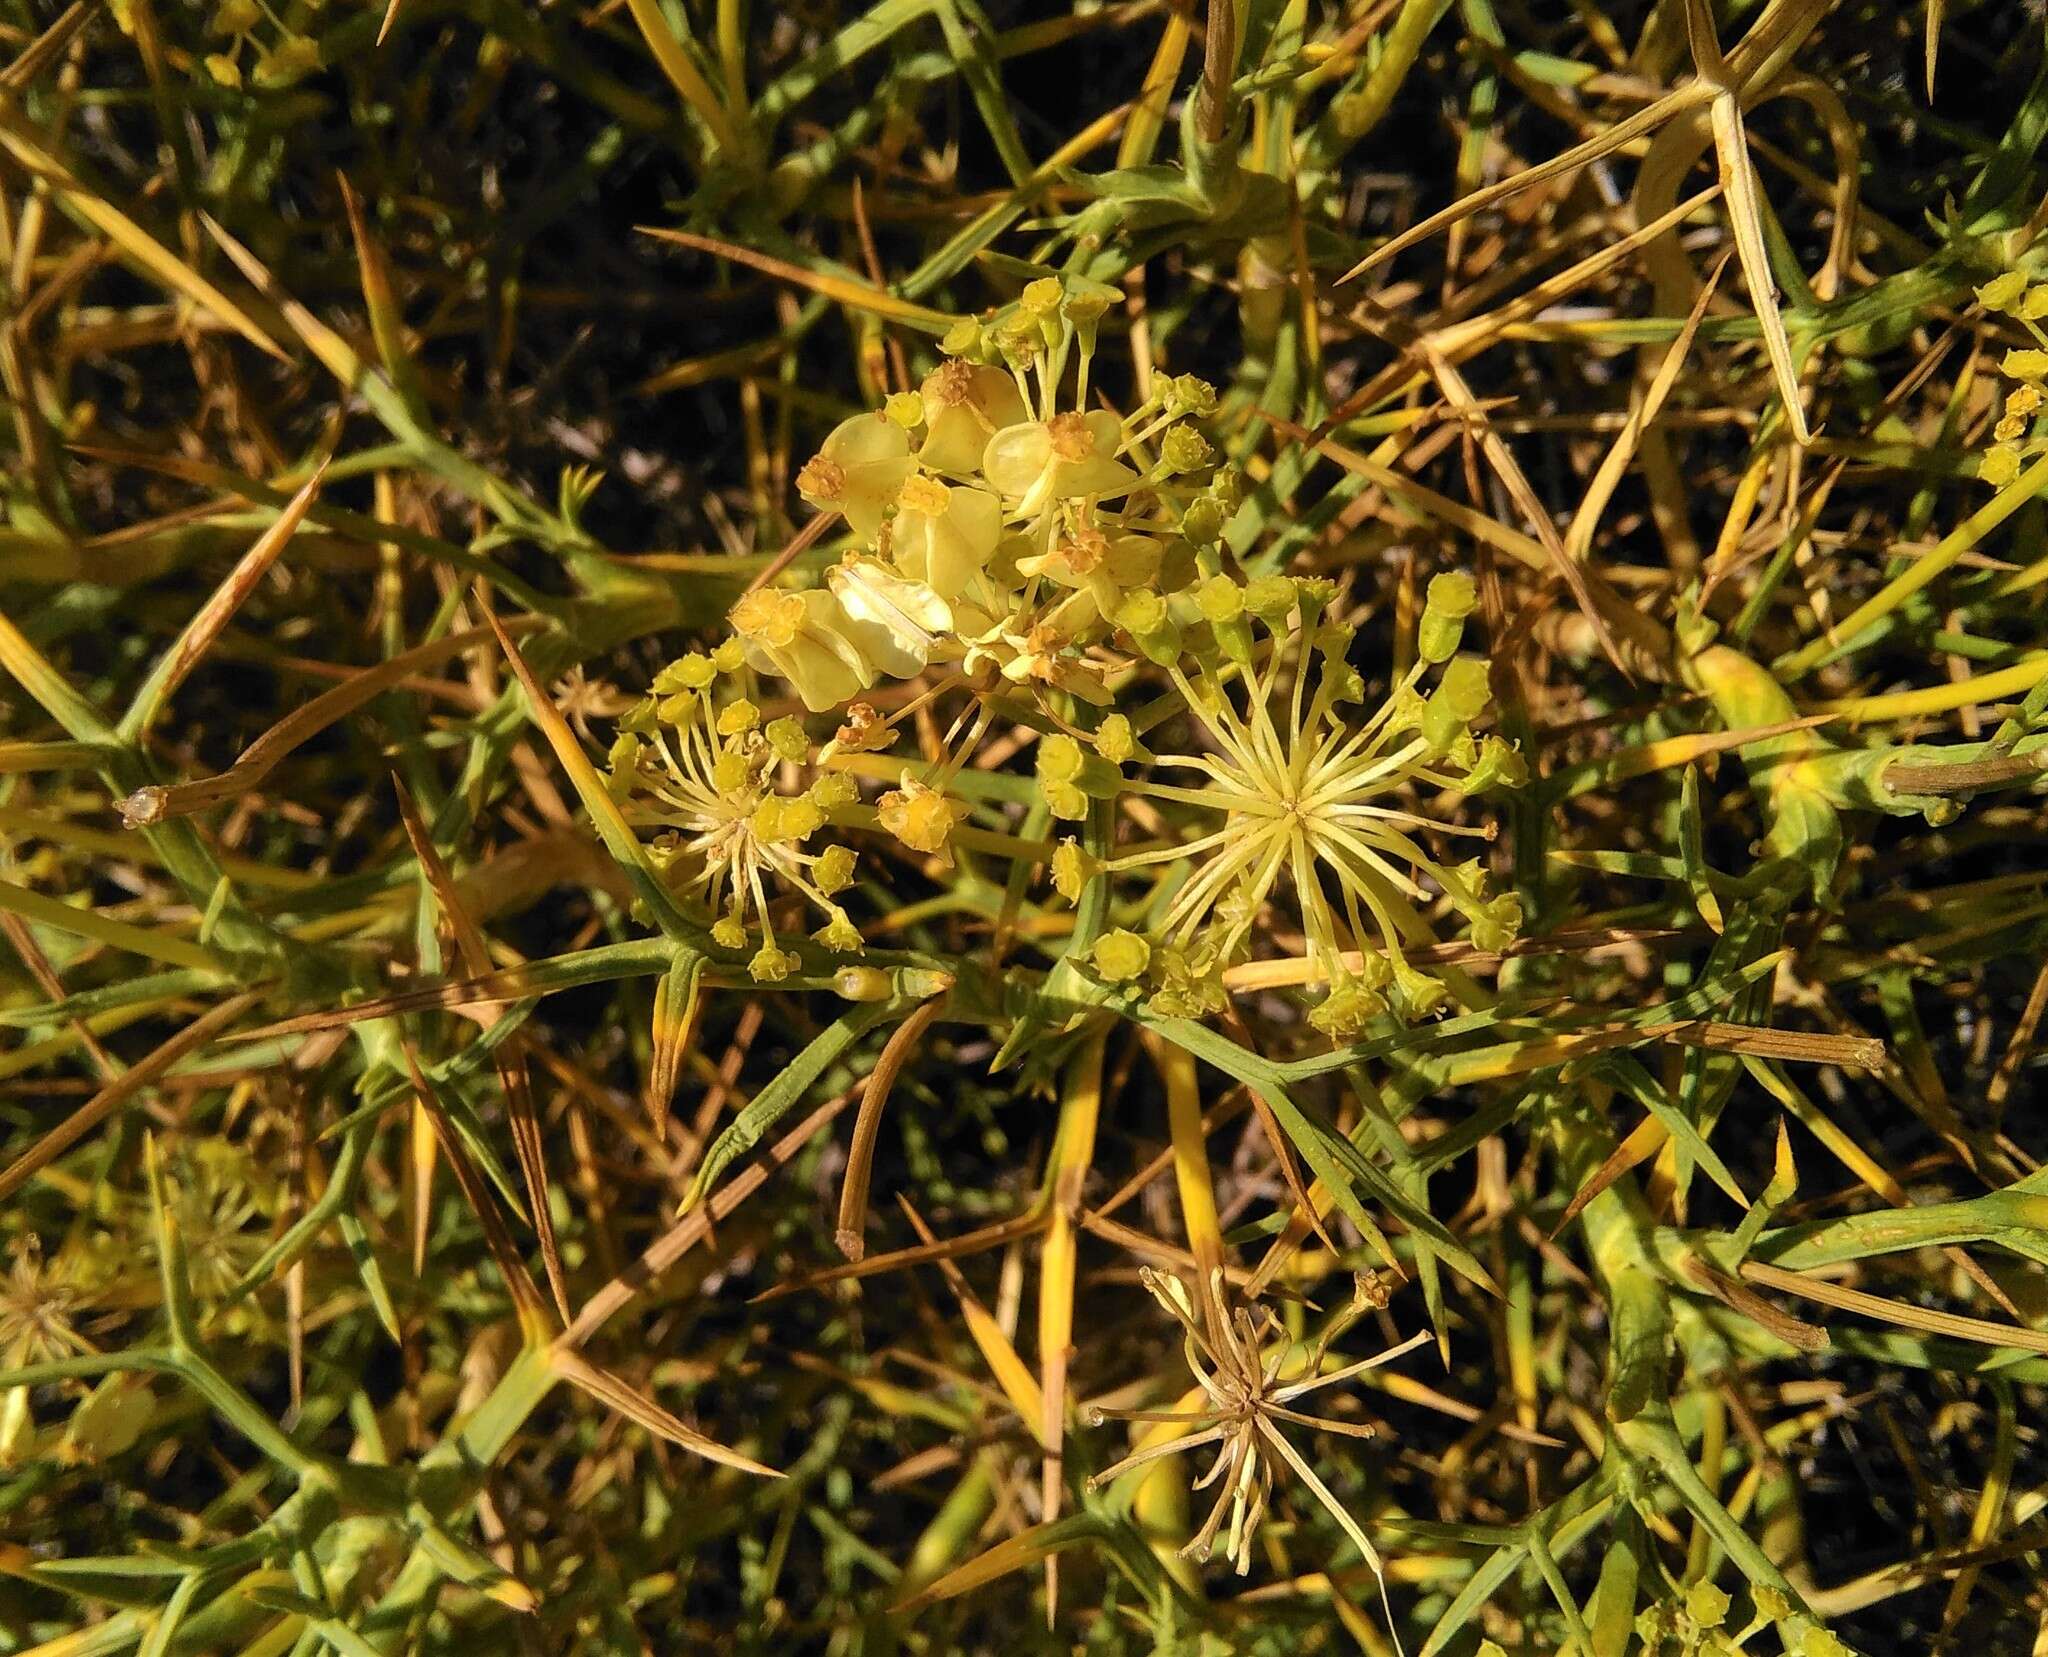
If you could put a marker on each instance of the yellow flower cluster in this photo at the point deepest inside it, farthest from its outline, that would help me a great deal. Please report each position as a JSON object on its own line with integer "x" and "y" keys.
{"x": 2026, "y": 368}
{"x": 997, "y": 525}
{"x": 1017, "y": 555}
{"x": 733, "y": 802}
{"x": 1293, "y": 787}
{"x": 291, "y": 59}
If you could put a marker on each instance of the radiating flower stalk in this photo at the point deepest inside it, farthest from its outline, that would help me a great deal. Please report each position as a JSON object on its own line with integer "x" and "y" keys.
{"x": 1250, "y": 1376}
{"x": 1017, "y": 559}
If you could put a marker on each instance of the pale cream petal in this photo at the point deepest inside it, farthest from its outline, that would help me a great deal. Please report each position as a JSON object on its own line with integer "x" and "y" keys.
{"x": 865, "y": 438}
{"x": 870, "y": 493}
{"x": 894, "y": 620}
{"x": 1016, "y": 458}
{"x": 823, "y": 663}
{"x": 953, "y": 441}
{"x": 960, "y": 543}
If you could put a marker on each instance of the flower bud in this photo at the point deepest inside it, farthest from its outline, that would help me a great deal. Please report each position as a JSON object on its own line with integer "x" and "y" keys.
{"x": 1315, "y": 594}
{"x": 1343, "y": 682}
{"x": 691, "y": 672}
{"x": 964, "y": 339}
{"x": 1059, "y": 759}
{"x": 1706, "y": 1604}
{"x": 833, "y": 790}
{"x": 1345, "y": 1012}
{"x": 1419, "y": 993}
{"x": 1465, "y": 883}
{"x": 1145, "y": 617}
{"x": 1115, "y": 741}
{"x": 1183, "y": 449}
{"x": 624, "y": 761}
{"x": 801, "y": 818}
{"x": 1203, "y": 521}
{"x": 1189, "y": 394}
{"x": 1220, "y": 599}
{"x": 1084, "y": 308}
{"x": 730, "y": 772}
{"x": 833, "y": 872}
{"x": 1270, "y": 598}
{"x": 1065, "y": 801}
{"x": 789, "y": 740}
{"x": 1121, "y": 956}
{"x": 1451, "y": 599}
{"x": 1064, "y": 763}
{"x": 1459, "y": 698}
{"x": 1042, "y": 297}
{"x": 862, "y": 984}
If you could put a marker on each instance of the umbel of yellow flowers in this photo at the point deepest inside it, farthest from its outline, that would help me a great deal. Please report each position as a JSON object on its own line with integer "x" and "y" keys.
{"x": 1016, "y": 558}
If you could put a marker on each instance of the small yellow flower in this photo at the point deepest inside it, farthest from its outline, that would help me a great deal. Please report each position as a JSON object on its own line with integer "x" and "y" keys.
{"x": 771, "y": 965}
{"x": 2000, "y": 466}
{"x": 1115, "y": 741}
{"x": 2028, "y": 364}
{"x": 839, "y": 934}
{"x": 945, "y": 536}
{"x": 710, "y": 785}
{"x": 806, "y": 639}
{"x": 833, "y": 871}
{"x": 2002, "y": 292}
{"x": 1121, "y": 956}
{"x": 892, "y": 620}
{"x": 1072, "y": 869}
{"x": 1069, "y": 457}
{"x": 964, "y": 406}
{"x": 858, "y": 471}
{"x": 921, "y": 817}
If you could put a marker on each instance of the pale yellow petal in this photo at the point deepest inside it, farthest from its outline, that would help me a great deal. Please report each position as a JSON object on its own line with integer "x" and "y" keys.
{"x": 1016, "y": 458}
